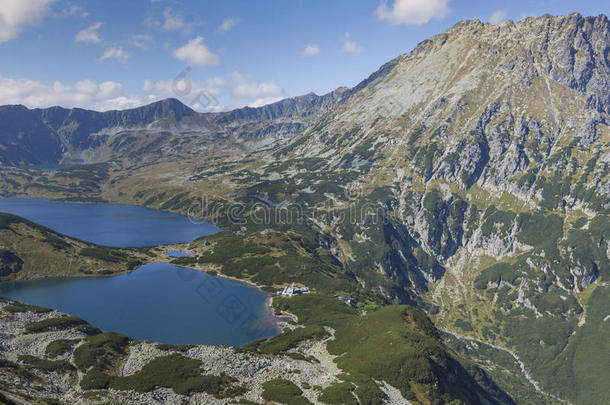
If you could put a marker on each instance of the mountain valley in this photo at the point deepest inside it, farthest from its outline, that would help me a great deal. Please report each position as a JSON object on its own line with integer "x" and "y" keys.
{"x": 460, "y": 196}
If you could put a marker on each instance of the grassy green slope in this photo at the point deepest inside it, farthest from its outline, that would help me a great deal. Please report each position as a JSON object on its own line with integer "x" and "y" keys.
{"x": 395, "y": 344}
{"x": 29, "y": 250}
{"x": 580, "y": 370}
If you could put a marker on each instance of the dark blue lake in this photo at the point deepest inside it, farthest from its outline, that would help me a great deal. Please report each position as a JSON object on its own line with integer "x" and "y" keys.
{"x": 159, "y": 302}
{"x": 108, "y": 224}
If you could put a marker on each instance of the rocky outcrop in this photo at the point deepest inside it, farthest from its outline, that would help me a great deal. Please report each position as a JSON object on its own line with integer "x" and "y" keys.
{"x": 78, "y": 124}
{"x": 10, "y": 263}
{"x": 466, "y": 162}
{"x": 587, "y": 274}
{"x": 440, "y": 223}
{"x": 577, "y": 50}
{"x": 588, "y": 133}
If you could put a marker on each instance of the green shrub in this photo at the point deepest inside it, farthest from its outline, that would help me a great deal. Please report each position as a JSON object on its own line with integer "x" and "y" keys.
{"x": 497, "y": 273}
{"x": 95, "y": 380}
{"x": 497, "y": 221}
{"x": 14, "y": 369}
{"x": 88, "y": 329}
{"x": 297, "y": 356}
{"x": 540, "y": 230}
{"x": 169, "y": 371}
{"x": 101, "y": 351}
{"x": 580, "y": 222}
{"x": 54, "y": 324}
{"x": 19, "y": 307}
{"x": 59, "y": 366}
{"x": 7, "y": 219}
{"x": 94, "y": 395}
{"x": 100, "y": 253}
{"x": 60, "y": 347}
{"x": 291, "y": 339}
{"x": 177, "y": 348}
{"x": 339, "y": 393}
{"x": 181, "y": 374}
{"x": 463, "y": 325}
{"x": 284, "y": 391}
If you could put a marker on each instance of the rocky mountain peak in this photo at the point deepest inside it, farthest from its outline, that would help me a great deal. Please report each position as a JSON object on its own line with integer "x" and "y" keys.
{"x": 527, "y": 68}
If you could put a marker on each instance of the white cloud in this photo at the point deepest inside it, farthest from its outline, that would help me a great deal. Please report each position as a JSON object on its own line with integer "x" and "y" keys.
{"x": 497, "y": 17}
{"x": 227, "y": 24}
{"x": 89, "y": 34}
{"x": 196, "y": 53}
{"x": 85, "y": 94}
{"x": 72, "y": 10}
{"x": 248, "y": 92}
{"x": 264, "y": 101}
{"x": 140, "y": 40}
{"x": 201, "y": 96}
{"x": 256, "y": 90}
{"x": 115, "y": 52}
{"x": 15, "y": 14}
{"x": 110, "y": 95}
{"x": 350, "y": 46}
{"x": 174, "y": 21}
{"x": 216, "y": 82}
{"x": 174, "y": 88}
{"x": 412, "y": 11}
{"x": 310, "y": 50}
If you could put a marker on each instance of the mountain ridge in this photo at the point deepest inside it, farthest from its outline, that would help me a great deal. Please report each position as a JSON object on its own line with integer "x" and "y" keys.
{"x": 60, "y": 129}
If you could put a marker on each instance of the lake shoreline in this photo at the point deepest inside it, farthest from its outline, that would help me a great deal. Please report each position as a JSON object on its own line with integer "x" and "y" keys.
{"x": 269, "y": 302}
{"x": 43, "y": 208}
{"x": 268, "y": 312}
{"x": 114, "y": 222}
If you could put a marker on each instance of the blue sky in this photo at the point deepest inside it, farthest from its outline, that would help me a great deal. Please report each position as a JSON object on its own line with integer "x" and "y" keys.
{"x": 106, "y": 54}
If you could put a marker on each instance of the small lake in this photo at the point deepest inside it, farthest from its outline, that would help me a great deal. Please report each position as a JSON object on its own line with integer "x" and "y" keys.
{"x": 159, "y": 302}
{"x": 108, "y": 224}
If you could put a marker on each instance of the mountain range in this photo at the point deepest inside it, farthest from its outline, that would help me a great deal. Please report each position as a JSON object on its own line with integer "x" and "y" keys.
{"x": 478, "y": 163}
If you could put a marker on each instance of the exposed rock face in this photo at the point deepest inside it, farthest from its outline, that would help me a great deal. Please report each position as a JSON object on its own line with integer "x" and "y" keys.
{"x": 578, "y": 57}
{"x": 76, "y": 125}
{"x": 588, "y": 133}
{"x": 40, "y": 136}
{"x": 440, "y": 223}
{"x": 465, "y": 162}
{"x": 10, "y": 263}
{"x": 25, "y": 139}
{"x": 588, "y": 276}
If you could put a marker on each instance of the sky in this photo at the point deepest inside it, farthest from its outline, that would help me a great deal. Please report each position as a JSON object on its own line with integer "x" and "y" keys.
{"x": 219, "y": 55}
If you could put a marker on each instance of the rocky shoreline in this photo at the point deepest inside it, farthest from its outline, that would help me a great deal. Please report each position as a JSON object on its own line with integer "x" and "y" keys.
{"x": 249, "y": 369}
